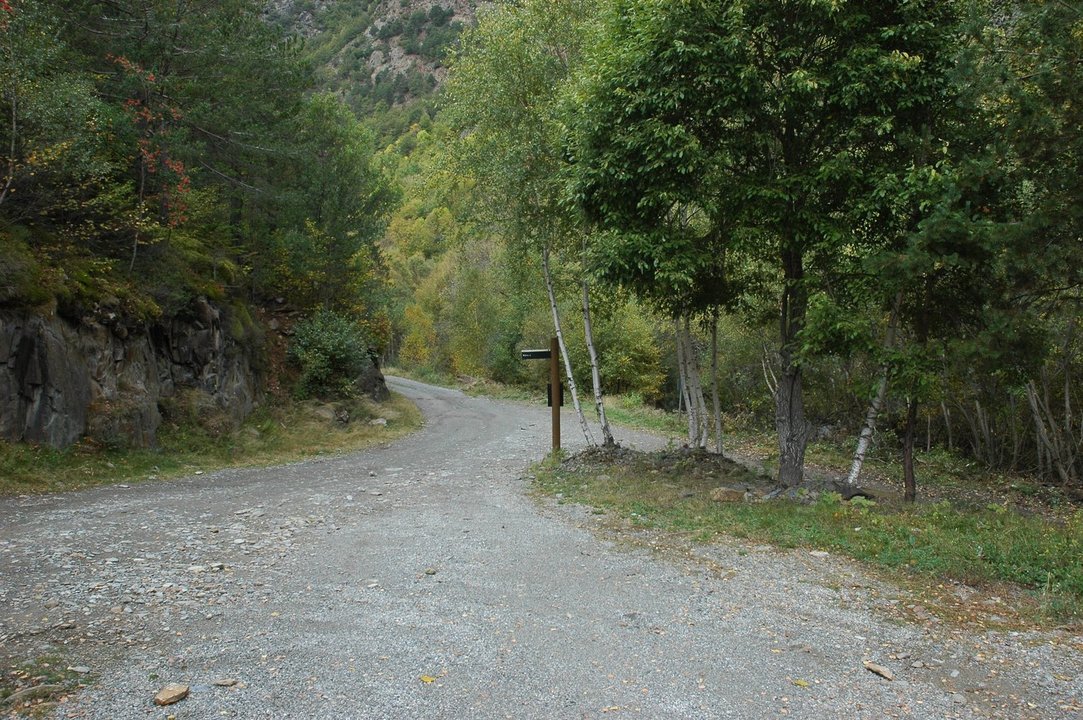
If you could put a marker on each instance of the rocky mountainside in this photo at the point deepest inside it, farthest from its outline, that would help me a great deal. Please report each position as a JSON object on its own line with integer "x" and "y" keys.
{"x": 377, "y": 54}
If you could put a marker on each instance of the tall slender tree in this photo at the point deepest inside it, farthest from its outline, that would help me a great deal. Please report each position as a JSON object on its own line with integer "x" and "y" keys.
{"x": 504, "y": 95}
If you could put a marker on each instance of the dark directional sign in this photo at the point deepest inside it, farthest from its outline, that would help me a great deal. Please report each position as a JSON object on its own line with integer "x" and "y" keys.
{"x": 549, "y": 395}
{"x": 537, "y": 354}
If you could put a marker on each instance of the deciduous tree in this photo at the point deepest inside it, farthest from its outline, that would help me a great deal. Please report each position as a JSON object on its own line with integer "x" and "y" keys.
{"x": 768, "y": 115}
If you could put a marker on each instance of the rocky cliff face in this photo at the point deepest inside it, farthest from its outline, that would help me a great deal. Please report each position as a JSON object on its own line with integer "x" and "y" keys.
{"x": 100, "y": 378}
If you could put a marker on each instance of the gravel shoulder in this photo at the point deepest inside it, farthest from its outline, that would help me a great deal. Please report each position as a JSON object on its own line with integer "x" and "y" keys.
{"x": 421, "y": 580}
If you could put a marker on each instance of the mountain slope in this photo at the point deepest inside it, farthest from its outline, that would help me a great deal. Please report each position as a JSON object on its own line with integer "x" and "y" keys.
{"x": 377, "y": 54}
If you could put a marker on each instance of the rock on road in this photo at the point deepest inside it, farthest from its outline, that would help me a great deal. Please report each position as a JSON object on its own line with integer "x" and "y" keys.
{"x": 420, "y": 580}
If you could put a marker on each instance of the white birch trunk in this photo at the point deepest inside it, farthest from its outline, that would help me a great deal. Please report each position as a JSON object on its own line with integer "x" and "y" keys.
{"x": 564, "y": 351}
{"x": 714, "y": 387}
{"x": 864, "y": 440}
{"x": 682, "y": 370}
{"x": 696, "y": 386}
{"x": 595, "y": 375}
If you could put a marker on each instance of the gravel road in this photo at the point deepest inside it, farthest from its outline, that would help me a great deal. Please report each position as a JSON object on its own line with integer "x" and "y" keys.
{"x": 420, "y": 580}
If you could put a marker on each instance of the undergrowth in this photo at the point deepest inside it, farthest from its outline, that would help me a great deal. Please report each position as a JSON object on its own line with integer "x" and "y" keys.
{"x": 631, "y": 411}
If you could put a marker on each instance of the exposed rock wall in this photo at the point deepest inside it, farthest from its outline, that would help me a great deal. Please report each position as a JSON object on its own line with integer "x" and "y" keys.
{"x": 101, "y": 378}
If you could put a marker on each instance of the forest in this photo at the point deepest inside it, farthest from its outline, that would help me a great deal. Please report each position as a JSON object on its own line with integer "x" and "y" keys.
{"x": 852, "y": 221}
{"x": 823, "y": 217}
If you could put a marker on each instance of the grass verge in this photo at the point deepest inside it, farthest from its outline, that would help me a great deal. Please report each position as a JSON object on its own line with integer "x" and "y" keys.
{"x": 630, "y": 411}
{"x": 940, "y": 541}
{"x": 271, "y": 436}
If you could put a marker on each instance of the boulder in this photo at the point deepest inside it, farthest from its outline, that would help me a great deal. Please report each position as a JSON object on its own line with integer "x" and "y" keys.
{"x": 170, "y": 694}
{"x": 725, "y": 494}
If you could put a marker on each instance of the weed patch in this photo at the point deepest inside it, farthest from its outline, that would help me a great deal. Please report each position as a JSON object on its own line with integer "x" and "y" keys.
{"x": 938, "y": 541}
{"x": 273, "y": 435}
{"x": 33, "y": 689}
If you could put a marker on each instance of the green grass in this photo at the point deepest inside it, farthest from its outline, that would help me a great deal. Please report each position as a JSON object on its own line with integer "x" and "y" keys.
{"x": 271, "y": 436}
{"x": 629, "y": 411}
{"x": 938, "y": 541}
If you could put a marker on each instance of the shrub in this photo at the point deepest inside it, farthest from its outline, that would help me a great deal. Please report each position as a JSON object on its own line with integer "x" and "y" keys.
{"x": 331, "y": 351}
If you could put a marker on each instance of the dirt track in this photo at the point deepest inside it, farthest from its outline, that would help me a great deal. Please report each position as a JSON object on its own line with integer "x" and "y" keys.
{"x": 420, "y": 580}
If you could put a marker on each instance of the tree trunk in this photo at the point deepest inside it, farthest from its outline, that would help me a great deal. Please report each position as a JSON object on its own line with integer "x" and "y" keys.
{"x": 564, "y": 351}
{"x": 685, "y": 382}
{"x": 10, "y": 179}
{"x": 1017, "y": 444}
{"x": 987, "y": 454}
{"x": 595, "y": 375}
{"x": 947, "y": 425}
{"x": 696, "y": 386}
{"x": 1060, "y": 454}
{"x": 864, "y": 440}
{"x": 910, "y": 492}
{"x": 714, "y": 386}
{"x": 142, "y": 194}
{"x": 793, "y": 428}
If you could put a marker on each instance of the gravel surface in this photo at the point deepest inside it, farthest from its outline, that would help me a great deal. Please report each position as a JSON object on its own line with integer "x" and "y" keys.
{"x": 421, "y": 580}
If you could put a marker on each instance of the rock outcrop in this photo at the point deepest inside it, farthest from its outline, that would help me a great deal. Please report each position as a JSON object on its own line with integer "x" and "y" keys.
{"x": 102, "y": 378}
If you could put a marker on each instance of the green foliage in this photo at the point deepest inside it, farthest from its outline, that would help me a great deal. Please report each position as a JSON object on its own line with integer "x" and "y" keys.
{"x": 717, "y": 140}
{"x": 630, "y": 360}
{"x": 331, "y": 351}
{"x": 1028, "y": 76}
{"x": 419, "y": 347}
{"x": 502, "y": 98}
{"x": 467, "y": 318}
{"x": 58, "y": 190}
{"x": 147, "y": 172}
{"x": 332, "y": 212}
{"x": 686, "y": 116}
{"x": 22, "y": 277}
{"x": 834, "y": 329}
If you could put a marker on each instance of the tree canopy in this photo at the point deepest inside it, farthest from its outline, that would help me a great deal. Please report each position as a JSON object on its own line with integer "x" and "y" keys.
{"x": 757, "y": 123}
{"x": 156, "y": 150}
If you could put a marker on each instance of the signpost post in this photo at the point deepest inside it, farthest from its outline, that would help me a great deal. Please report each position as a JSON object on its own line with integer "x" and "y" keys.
{"x": 556, "y": 395}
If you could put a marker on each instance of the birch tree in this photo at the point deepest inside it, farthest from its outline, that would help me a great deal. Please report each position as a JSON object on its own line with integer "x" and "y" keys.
{"x": 504, "y": 94}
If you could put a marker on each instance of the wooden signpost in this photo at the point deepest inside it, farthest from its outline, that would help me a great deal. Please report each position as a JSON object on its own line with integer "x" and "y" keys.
{"x": 556, "y": 392}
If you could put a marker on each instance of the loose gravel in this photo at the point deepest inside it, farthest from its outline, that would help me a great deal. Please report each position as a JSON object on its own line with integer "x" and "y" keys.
{"x": 421, "y": 580}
